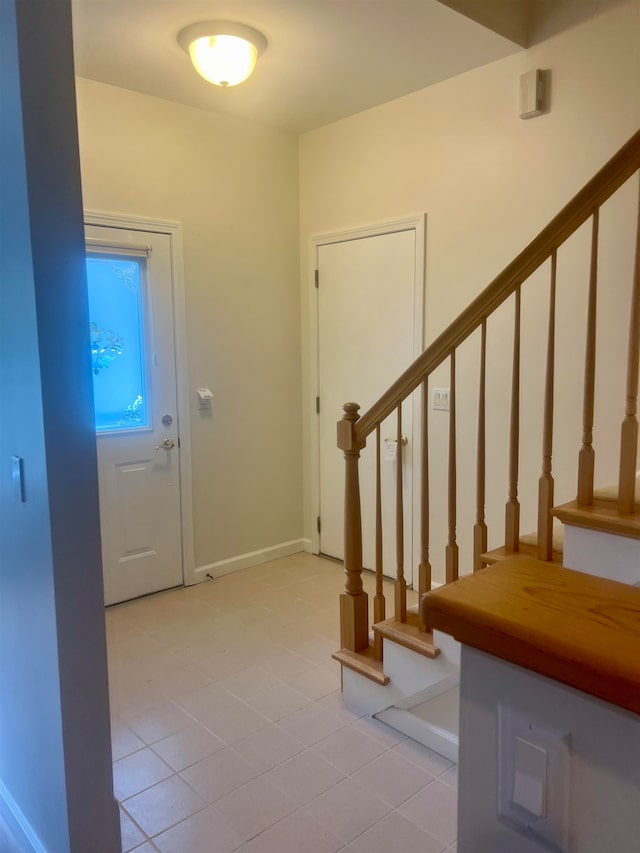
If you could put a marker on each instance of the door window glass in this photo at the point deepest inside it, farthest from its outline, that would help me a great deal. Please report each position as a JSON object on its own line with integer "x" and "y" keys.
{"x": 116, "y": 314}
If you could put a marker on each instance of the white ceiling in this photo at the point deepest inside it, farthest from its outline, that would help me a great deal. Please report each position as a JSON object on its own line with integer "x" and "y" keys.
{"x": 325, "y": 59}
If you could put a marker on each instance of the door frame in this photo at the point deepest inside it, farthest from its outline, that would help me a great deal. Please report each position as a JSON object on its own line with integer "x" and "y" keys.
{"x": 416, "y": 223}
{"x": 174, "y": 231}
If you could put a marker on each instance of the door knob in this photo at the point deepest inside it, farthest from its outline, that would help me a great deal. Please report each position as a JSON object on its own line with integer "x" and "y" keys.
{"x": 167, "y": 444}
{"x": 403, "y": 440}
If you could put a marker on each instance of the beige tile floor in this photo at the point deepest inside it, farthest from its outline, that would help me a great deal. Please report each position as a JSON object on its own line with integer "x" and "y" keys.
{"x": 230, "y": 732}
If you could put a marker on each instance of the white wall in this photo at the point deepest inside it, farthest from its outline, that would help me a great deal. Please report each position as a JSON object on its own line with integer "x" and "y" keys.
{"x": 233, "y": 186}
{"x": 488, "y": 182}
{"x": 55, "y": 749}
{"x": 604, "y": 785}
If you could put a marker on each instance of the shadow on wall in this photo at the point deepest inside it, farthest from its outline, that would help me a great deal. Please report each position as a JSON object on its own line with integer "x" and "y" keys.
{"x": 547, "y": 18}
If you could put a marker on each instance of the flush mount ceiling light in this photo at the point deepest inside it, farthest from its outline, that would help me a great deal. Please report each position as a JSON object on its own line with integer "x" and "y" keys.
{"x": 223, "y": 52}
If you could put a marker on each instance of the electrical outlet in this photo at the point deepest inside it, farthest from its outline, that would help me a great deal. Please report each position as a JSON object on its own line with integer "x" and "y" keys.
{"x": 441, "y": 399}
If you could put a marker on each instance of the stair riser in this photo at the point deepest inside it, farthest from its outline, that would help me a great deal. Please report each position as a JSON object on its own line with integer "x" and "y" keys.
{"x": 602, "y": 554}
{"x": 408, "y": 672}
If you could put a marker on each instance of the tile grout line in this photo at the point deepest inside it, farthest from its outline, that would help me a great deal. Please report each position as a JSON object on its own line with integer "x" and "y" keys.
{"x": 236, "y": 599}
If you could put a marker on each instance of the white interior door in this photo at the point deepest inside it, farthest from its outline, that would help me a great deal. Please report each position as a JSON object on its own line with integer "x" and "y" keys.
{"x": 366, "y": 338}
{"x": 134, "y": 373}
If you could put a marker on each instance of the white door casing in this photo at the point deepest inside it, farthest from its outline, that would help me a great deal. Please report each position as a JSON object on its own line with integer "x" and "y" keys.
{"x": 369, "y": 319}
{"x": 145, "y": 493}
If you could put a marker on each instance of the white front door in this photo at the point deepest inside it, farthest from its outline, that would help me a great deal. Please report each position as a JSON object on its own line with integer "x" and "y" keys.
{"x": 370, "y": 290}
{"x": 129, "y": 275}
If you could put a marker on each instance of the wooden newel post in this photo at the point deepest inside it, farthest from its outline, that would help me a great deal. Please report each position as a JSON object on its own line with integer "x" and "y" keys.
{"x": 354, "y": 608}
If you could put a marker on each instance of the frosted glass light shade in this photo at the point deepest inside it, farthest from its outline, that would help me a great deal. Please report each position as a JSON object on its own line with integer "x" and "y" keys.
{"x": 222, "y": 52}
{"x": 223, "y": 60}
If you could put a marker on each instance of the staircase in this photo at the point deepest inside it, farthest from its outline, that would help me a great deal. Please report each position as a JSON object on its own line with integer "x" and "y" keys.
{"x": 400, "y": 671}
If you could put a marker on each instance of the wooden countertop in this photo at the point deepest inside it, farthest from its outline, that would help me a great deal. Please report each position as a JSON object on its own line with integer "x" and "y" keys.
{"x": 578, "y": 629}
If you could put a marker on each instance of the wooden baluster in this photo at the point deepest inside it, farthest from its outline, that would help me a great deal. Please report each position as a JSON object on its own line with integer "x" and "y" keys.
{"x": 451, "y": 551}
{"x": 629, "y": 435}
{"x": 401, "y": 584}
{"x": 480, "y": 527}
{"x": 546, "y": 483}
{"x": 354, "y": 613}
{"x": 512, "y": 513}
{"x": 586, "y": 457}
{"x": 378, "y": 601}
{"x": 424, "y": 569}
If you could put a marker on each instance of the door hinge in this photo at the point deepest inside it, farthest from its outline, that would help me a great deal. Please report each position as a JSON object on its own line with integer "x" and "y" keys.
{"x": 317, "y": 405}
{"x": 317, "y": 278}
{"x": 318, "y": 525}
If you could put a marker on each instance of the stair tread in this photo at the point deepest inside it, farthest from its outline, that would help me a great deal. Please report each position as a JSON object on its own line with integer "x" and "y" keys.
{"x": 557, "y": 541}
{"x": 576, "y": 628}
{"x": 408, "y": 634}
{"x": 610, "y": 493}
{"x": 530, "y": 550}
{"x": 602, "y": 515}
{"x": 364, "y": 663}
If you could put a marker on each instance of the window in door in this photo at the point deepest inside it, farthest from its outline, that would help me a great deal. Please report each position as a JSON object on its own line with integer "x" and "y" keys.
{"x": 116, "y": 312}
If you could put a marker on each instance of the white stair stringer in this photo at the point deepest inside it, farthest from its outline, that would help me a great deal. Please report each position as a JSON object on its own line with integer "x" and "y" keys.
{"x": 430, "y": 717}
{"x": 409, "y": 674}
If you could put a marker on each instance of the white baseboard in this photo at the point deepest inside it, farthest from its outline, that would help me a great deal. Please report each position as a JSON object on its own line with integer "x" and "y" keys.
{"x": 245, "y": 561}
{"x": 307, "y": 546}
{"x": 18, "y": 824}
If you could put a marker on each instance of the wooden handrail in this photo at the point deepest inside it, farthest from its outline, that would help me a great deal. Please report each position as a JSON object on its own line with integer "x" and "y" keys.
{"x": 621, "y": 166}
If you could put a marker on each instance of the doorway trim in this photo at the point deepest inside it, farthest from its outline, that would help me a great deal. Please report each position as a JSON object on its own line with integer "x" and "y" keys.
{"x": 416, "y": 223}
{"x": 174, "y": 231}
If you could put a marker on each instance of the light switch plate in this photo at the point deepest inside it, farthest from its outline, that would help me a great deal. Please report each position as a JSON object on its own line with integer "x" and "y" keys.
{"x": 534, "y": 766}
{"x": 530, "y": 777}
{"x": 205, "y": 396}
{"x": 17, "y": 477}
{"x": 441, "y": 399}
